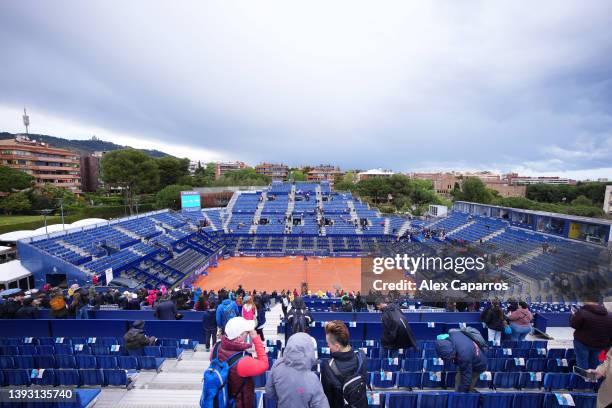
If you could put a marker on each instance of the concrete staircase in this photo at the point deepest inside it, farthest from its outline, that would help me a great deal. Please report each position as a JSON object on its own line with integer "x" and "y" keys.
{"x": 459, "y": 228}
{"x": 354, "y": 218}
{"x": 387, "y": 225}
{"x": 289, "y": 212}
{"x": 209, "y": 221}
{"x": 73, "y": 248}
{"x": 127, "y": 232}
{"x": 493, "y": 235}
{"x": 228, "y": 210}
{"x": 258, "y": 211}
{"x": 403, "y": 228}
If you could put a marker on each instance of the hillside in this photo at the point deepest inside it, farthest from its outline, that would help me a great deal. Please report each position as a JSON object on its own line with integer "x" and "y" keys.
{"x": 81, "y": 146}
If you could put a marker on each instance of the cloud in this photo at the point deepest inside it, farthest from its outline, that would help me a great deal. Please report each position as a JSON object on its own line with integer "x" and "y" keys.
{"x": 396, "y": 85}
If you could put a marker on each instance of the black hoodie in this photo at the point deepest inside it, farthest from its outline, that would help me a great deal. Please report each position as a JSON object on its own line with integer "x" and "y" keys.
{"x": 593, "y": 326}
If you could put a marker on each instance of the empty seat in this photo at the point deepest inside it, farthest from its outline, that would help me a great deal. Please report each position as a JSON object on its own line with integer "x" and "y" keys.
{"x": 46, "y": 341}
{"x": 497, "y": 400}
{"x": 433, "y": 364}
{"x": 26, "y": 362}
{"x": 401, "y": 400}
{"x": 463, "y": 400}
{"x": 65, "y": 361}
{"x": 556, "y": 353}
{"x": 409, "y": 380}
{"x": 149, "y": 363}
{"x": 580, "y": 401}
{"x": 577, "y": 383}
{"x": 528, "y": 400}
{"x": 535, "y": 364}
{"x": 45, "y": 350}
{"x": 412, "y": 364}
{"x": 45, "y": 361}
{"x": 152, "y": 351}
{"x": 530, "y": 380}
{"x": 68, "y": 378}
{"x": 374, "y": 364}
{"x": 432, "y": 400}
{"x": 174, "y": 352}
{"x": 391, "y": 364}
{"x": 505, "y": 380}
{"x": 9, "y": 350}
{"x": 91, "y": 377}
{"x": 100, "y": 350}
{"x": 7, "y": 362}
{"x": 17, "y": 377}
{"x": 496, "y": 364}
{"x": 44, "y": 377}
{"x": 116, "y": 378}
{"x": 127, "y": 362}
{"x": 433, "y": 379}
{"x": 570, "y": 354}
{"x": 81, "y": 349}
{"x": 107, "y": 362}
{"x": 384, "y": 379}
{"x": 86, "y": 362}
{"x": 515, "y": 364}
{"x": 28, "y": 350}
{"x": 556, "y": 381}
{"x": 63, "y": 349}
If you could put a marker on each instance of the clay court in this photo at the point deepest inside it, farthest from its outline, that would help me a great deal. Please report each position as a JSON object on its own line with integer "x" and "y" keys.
{"x": 284, "y": 273}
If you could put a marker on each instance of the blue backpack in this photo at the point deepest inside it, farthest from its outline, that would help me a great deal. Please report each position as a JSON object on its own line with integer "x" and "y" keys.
{"x": 216, "y": 378}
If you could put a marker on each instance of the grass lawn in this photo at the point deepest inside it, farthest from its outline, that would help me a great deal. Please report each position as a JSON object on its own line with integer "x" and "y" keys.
{"x": 19, "y": 219}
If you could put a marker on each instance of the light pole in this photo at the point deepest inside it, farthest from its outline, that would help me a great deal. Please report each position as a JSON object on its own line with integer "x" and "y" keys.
{"x": 44, "y": 213}
{"x": 61, "y": 202}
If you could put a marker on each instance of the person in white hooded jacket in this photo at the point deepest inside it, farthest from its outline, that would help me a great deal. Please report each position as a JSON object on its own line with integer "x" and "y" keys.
{"x": 291, "y": 381}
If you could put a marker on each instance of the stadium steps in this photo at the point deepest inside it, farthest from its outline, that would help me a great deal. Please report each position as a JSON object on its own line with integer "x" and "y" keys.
{"x": 127, "y": 232}
{"x": 405, "y": 226}
{"x": 229, "y": 208}
{"x": 493, "y": 234}
{"x": 258, "y": 211}
{"x": 354, "y": 217}
{"x": 73, "y": 248}
{"x": 209, "y": 221}
{"x": 461, "y": 227}
{"x": 387, "y": 225}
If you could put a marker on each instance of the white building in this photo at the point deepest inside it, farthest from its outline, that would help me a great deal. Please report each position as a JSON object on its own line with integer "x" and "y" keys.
{"x": 607, "y": 206}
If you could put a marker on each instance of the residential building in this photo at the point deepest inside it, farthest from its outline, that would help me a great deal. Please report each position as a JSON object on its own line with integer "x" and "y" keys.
{"x": 325, "y": 172}
{"x": 607, "y": 206}
{"x": 276, "y": 171}
{"x": 224, "y": 167}
{"x": 515, "y": 179}
{"x": 374, "y": 173}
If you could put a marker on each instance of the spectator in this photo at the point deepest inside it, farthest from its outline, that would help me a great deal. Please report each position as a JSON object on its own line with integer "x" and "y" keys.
{"x": 520, "y": 322}
{"x": 604, "y": 396}
{"x": 291, "y": 381}
{"x": 298, "y": 317}
{"x": 133, "y": 303}
{"x": 80, "y": 302}
{"x": 226, "y": 311}
{"x": 165, "y": 310}
{"x": 236, "y": 339}
{"x": 261, "y": 317}
{"x": 27, "y": 311}
{"x": 593, "y": 333}
{"x": 493, "y": 317}
{"x": 135, "y": 338}
{"x": 470, "y": 360}
{"x": 347, "y": 306}
{"x": 396, "y": 330}
{"x": 345, "y": 365}
{"x": 210, "y": 327}
{"x": 284, "y": 304}
{"x": 59, "y": 310}
{"x": 10, "y": 307}
{"x": 249, "y": 311}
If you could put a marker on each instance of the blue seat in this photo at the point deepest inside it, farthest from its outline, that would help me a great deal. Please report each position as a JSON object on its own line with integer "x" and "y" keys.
{"x": 44, "y": 377}
{"x": 260, "y": 380}
{"x": 63, "y": 349}
{"x": 570, "y": 354}
{"x": 80, "y": 348}
{"x": 496, "y": 399}
{"x": 505, "y": 380}
{"x": 7, "y": 362}
{"x": 433, "y": 364}
{"x": 28, "y": 350}
{"x": 580, "y": 384}
{"x": 17, "y": 377}
{"x": 152, "y": 351}
{"x": 555, "y": 365}
{"x": 136, "y": 352}
{"x": 525, "y": 344}
{"x": 529, "y": 380}
{"x": 537, "y": 353}
{"x": 556, "y": 381}
{"x": 46, "y": 341}
{"x": 412, "y": 353}
{"x": 100, "y": 350}
{"x": 412, "y": 364}
{"x": 515, "y": 365}
{"x": 539, "y": 344}
{"x": 463, "y": 400}
{"x": 528, "y": 400}
{"x": 384, "y": 379}
{"x": 68, "y": 377}
{"x": 430, "y": 353}
{"x": 26, "y": 362}
{"x": 409, "y": 380}
{"x": 45, "y": 361}
{"x": 107, "y": 362}
{"x": 65, "y": 361}
{"x": 401, "y": 400}
{"x": 432, "y": 400}
{"x": 580, "y": 401}
{"x": 117, "y": 378}
{"x": 45, "y": 350}
{"x": 509, "y": 344}
{"x": 432, "y": 379}
{"x": 524, "y": 353}
{"x": 168, "y": 342}
{"x": 556, "y": 353}
{"x": 9, "y": 350}
{"x": 149, "y": 363}
{"x": 174, "y": 352}
{"x": 391, "y": 364}
{"x": 86, "y": 362}
{"x": 374, "y": 364}
{"x": 496, "y": 364}
{"x": 106, "y": 341}
{"x": 127, "y": 362}
{"x": 535, "y": 364}
{"x": 91, "y": 377}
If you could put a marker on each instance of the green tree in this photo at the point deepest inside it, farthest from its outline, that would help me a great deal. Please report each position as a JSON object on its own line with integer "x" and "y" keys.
{"x": 243, "y": 177}
{"x": 375, "y": 188}
{"x": 49, "y": 196}
{"x": 475, "y": 190}
{"x": 132, "y": 170}
{"x": 582, "y": 200}
{"x": 15, "y": 203}
{"x": 11, "y": 179}
{"x": 171, "y": 170}
{"x": 297, "y": 175}
{"x": 170, "y": 196}
{"x": 205, "y": 175}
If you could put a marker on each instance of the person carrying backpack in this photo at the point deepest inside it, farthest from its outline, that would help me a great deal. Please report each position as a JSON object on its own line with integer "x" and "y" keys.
{"x": 344, "y": 375}
{"x": 226, "y": 311}
{"x": 397, "y": 333}
{"x": 299, "y": 318}
{"x": 228, "y": 381}
{"x": 493, "y": 317}
{"x": 465, "y": 348}
{"x": 291, "y": 381}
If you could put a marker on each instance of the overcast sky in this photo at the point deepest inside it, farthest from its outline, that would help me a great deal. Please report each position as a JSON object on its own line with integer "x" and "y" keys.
{"x": 426, "y": 85}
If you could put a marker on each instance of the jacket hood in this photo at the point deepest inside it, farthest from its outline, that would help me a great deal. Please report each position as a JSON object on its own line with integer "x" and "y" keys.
{"x": 596, "y": 309}
{"x": 445, "y": 349}
{"x": 299, "y": 352}
{"x": 227, "y": 302}
{"x": 298, "y": 303}
{"x": 233, "y": 345}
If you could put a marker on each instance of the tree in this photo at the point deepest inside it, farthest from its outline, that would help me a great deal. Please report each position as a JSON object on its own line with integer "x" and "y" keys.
{"x": 205, "y": 175}
{"x": 11, "y": 179}
{"x": 171, "y": 170}
{"x": 49, "y": 196}
{"x": 375, "y": 188}
{"x": 15, "y": 202}
{"x": 242, "y": 177}
{"x": 297, "y": 175}
{"x": 170, "y": 196}
{"x": 582, "y": 200}
{"x": 131, "y": 170}
{"x": 475, "y": 190}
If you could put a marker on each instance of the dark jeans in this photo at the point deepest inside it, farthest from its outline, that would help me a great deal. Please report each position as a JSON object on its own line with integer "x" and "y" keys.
{"x": 210, "y": 337}
{"x": 474, "y": 380}
{"x": 586, "y": 357}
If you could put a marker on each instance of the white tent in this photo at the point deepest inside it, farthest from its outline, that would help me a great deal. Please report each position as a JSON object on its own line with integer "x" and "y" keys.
{"x": 17, "y": 235}
{"x": 86, "y": 222}
{"x": 11, "y": 271}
